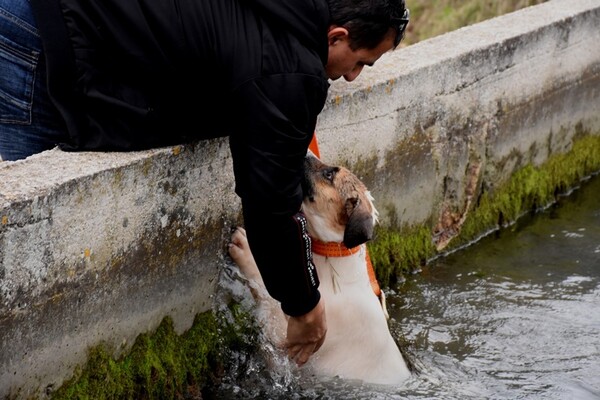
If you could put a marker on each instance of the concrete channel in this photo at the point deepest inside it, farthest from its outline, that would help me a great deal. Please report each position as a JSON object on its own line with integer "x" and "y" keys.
{"x": 100, "y": 247}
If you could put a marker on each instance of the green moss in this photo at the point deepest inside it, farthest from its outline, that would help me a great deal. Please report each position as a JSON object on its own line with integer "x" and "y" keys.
{"x": 397, "y": 252}
{"x": 531, "y": 188}
{"x": 164, "y": 365}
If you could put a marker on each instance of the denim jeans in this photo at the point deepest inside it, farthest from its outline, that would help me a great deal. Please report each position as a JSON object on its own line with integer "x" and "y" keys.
{"x": 29, "y": 122}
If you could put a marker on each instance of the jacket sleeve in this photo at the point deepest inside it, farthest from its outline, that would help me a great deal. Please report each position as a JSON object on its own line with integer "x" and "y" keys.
{"x": 273, "y": 122}
{"x": 284, "y": 260}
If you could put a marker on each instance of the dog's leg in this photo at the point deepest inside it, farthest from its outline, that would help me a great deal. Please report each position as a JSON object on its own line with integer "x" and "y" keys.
{"x": 239, "y": 250}
{"x": 269, "y": 311}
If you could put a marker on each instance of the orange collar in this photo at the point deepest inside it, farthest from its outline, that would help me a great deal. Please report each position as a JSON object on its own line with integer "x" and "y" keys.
{"x": 335, "y": 249}
{"x": 332, "y": 249}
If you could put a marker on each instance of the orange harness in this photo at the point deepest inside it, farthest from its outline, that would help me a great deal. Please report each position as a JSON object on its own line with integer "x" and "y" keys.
{"x": 334, "y": 249}
{"x": 314, "y": 146}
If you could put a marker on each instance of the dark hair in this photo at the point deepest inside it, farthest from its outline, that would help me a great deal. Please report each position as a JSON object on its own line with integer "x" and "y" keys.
{"x": 367, "y": 21}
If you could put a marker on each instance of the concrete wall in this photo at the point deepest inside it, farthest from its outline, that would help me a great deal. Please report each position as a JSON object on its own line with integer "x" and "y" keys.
{"x": 99, "y": 247}
{"x": 472, "y": 105}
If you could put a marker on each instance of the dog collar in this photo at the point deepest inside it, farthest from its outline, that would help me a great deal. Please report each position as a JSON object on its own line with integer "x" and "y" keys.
{"x": 332, "y": 249}
{"x": 338, "y": 249}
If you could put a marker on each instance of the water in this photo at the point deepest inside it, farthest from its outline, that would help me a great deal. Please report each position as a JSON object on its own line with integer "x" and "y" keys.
{"x": 516, "y": 316}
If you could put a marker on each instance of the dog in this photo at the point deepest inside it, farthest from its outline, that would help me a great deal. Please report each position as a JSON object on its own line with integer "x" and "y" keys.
{"x": 340, "y": 219}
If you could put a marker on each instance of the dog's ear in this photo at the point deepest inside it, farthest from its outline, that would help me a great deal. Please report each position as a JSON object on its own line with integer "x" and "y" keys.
{"x": 359, "y": 228}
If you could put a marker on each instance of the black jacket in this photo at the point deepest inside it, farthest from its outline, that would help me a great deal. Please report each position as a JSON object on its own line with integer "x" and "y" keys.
{"x": 136, "y": 74}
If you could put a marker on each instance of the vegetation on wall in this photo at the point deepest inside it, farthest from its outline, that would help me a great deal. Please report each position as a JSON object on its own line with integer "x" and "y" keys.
{"x": 397, "y": 253}
{"x": 163, "y": 364}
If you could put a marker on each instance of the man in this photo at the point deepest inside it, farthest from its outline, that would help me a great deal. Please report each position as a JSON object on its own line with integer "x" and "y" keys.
{"x": 117, "y": 75}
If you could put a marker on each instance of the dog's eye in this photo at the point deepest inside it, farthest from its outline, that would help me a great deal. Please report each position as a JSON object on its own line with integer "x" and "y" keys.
{"x": 329, "y": 174}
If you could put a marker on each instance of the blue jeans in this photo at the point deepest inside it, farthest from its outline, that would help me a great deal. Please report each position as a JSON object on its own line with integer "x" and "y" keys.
{"x": 29, "y": 122}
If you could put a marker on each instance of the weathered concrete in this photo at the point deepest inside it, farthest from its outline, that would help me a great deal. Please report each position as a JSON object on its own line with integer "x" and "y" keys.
{"x": 474, "y": 104}
{"x": 99, "y": 247}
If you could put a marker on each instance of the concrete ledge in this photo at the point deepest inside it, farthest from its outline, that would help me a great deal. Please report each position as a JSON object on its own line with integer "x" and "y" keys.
{"x": 485, "y": 100}
{"x": 99, "y": 247}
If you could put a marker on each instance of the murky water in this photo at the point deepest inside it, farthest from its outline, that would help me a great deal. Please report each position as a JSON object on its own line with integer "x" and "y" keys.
{"x": 516, "y": 316}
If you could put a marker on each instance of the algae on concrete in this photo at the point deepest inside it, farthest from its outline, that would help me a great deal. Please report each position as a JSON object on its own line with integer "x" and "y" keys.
{"x": 162, "y": 364}
{"x": 396, "y": 252}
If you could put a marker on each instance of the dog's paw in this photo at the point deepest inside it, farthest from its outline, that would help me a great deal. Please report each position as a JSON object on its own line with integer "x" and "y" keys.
{"x": 240, "y": 253}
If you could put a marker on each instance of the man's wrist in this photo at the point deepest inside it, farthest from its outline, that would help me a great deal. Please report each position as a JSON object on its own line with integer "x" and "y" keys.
{"x": 296, "y": 309}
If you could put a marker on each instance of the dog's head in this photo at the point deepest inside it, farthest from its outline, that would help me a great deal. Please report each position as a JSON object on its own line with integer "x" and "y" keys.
{"x": 337, "y": 205}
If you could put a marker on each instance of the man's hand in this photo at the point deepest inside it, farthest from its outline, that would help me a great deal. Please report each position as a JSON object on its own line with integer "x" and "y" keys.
{"x": 306, "y": 334}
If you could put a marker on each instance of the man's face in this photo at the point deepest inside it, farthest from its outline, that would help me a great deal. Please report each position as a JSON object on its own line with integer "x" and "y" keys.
{"x": 343, "y": 61}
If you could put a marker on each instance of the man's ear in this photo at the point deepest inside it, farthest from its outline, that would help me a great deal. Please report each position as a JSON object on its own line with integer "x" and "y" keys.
{"x": 336, "y": 34}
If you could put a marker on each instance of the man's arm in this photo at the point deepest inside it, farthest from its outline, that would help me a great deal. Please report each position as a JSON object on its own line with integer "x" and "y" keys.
{"x": 291, "y": 278}
{"x": 282, "y": 252}
{"x": 274, "y": 123}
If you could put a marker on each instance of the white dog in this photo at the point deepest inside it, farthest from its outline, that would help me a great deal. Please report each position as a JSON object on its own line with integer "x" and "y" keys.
{"x": 340, "y": 216}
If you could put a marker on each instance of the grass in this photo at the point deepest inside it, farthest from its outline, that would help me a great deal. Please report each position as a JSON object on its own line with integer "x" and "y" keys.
{"x": 430, "y": 18}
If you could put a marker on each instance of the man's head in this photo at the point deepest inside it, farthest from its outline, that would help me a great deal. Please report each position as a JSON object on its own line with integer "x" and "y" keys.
{"x": 360, "y": 32}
